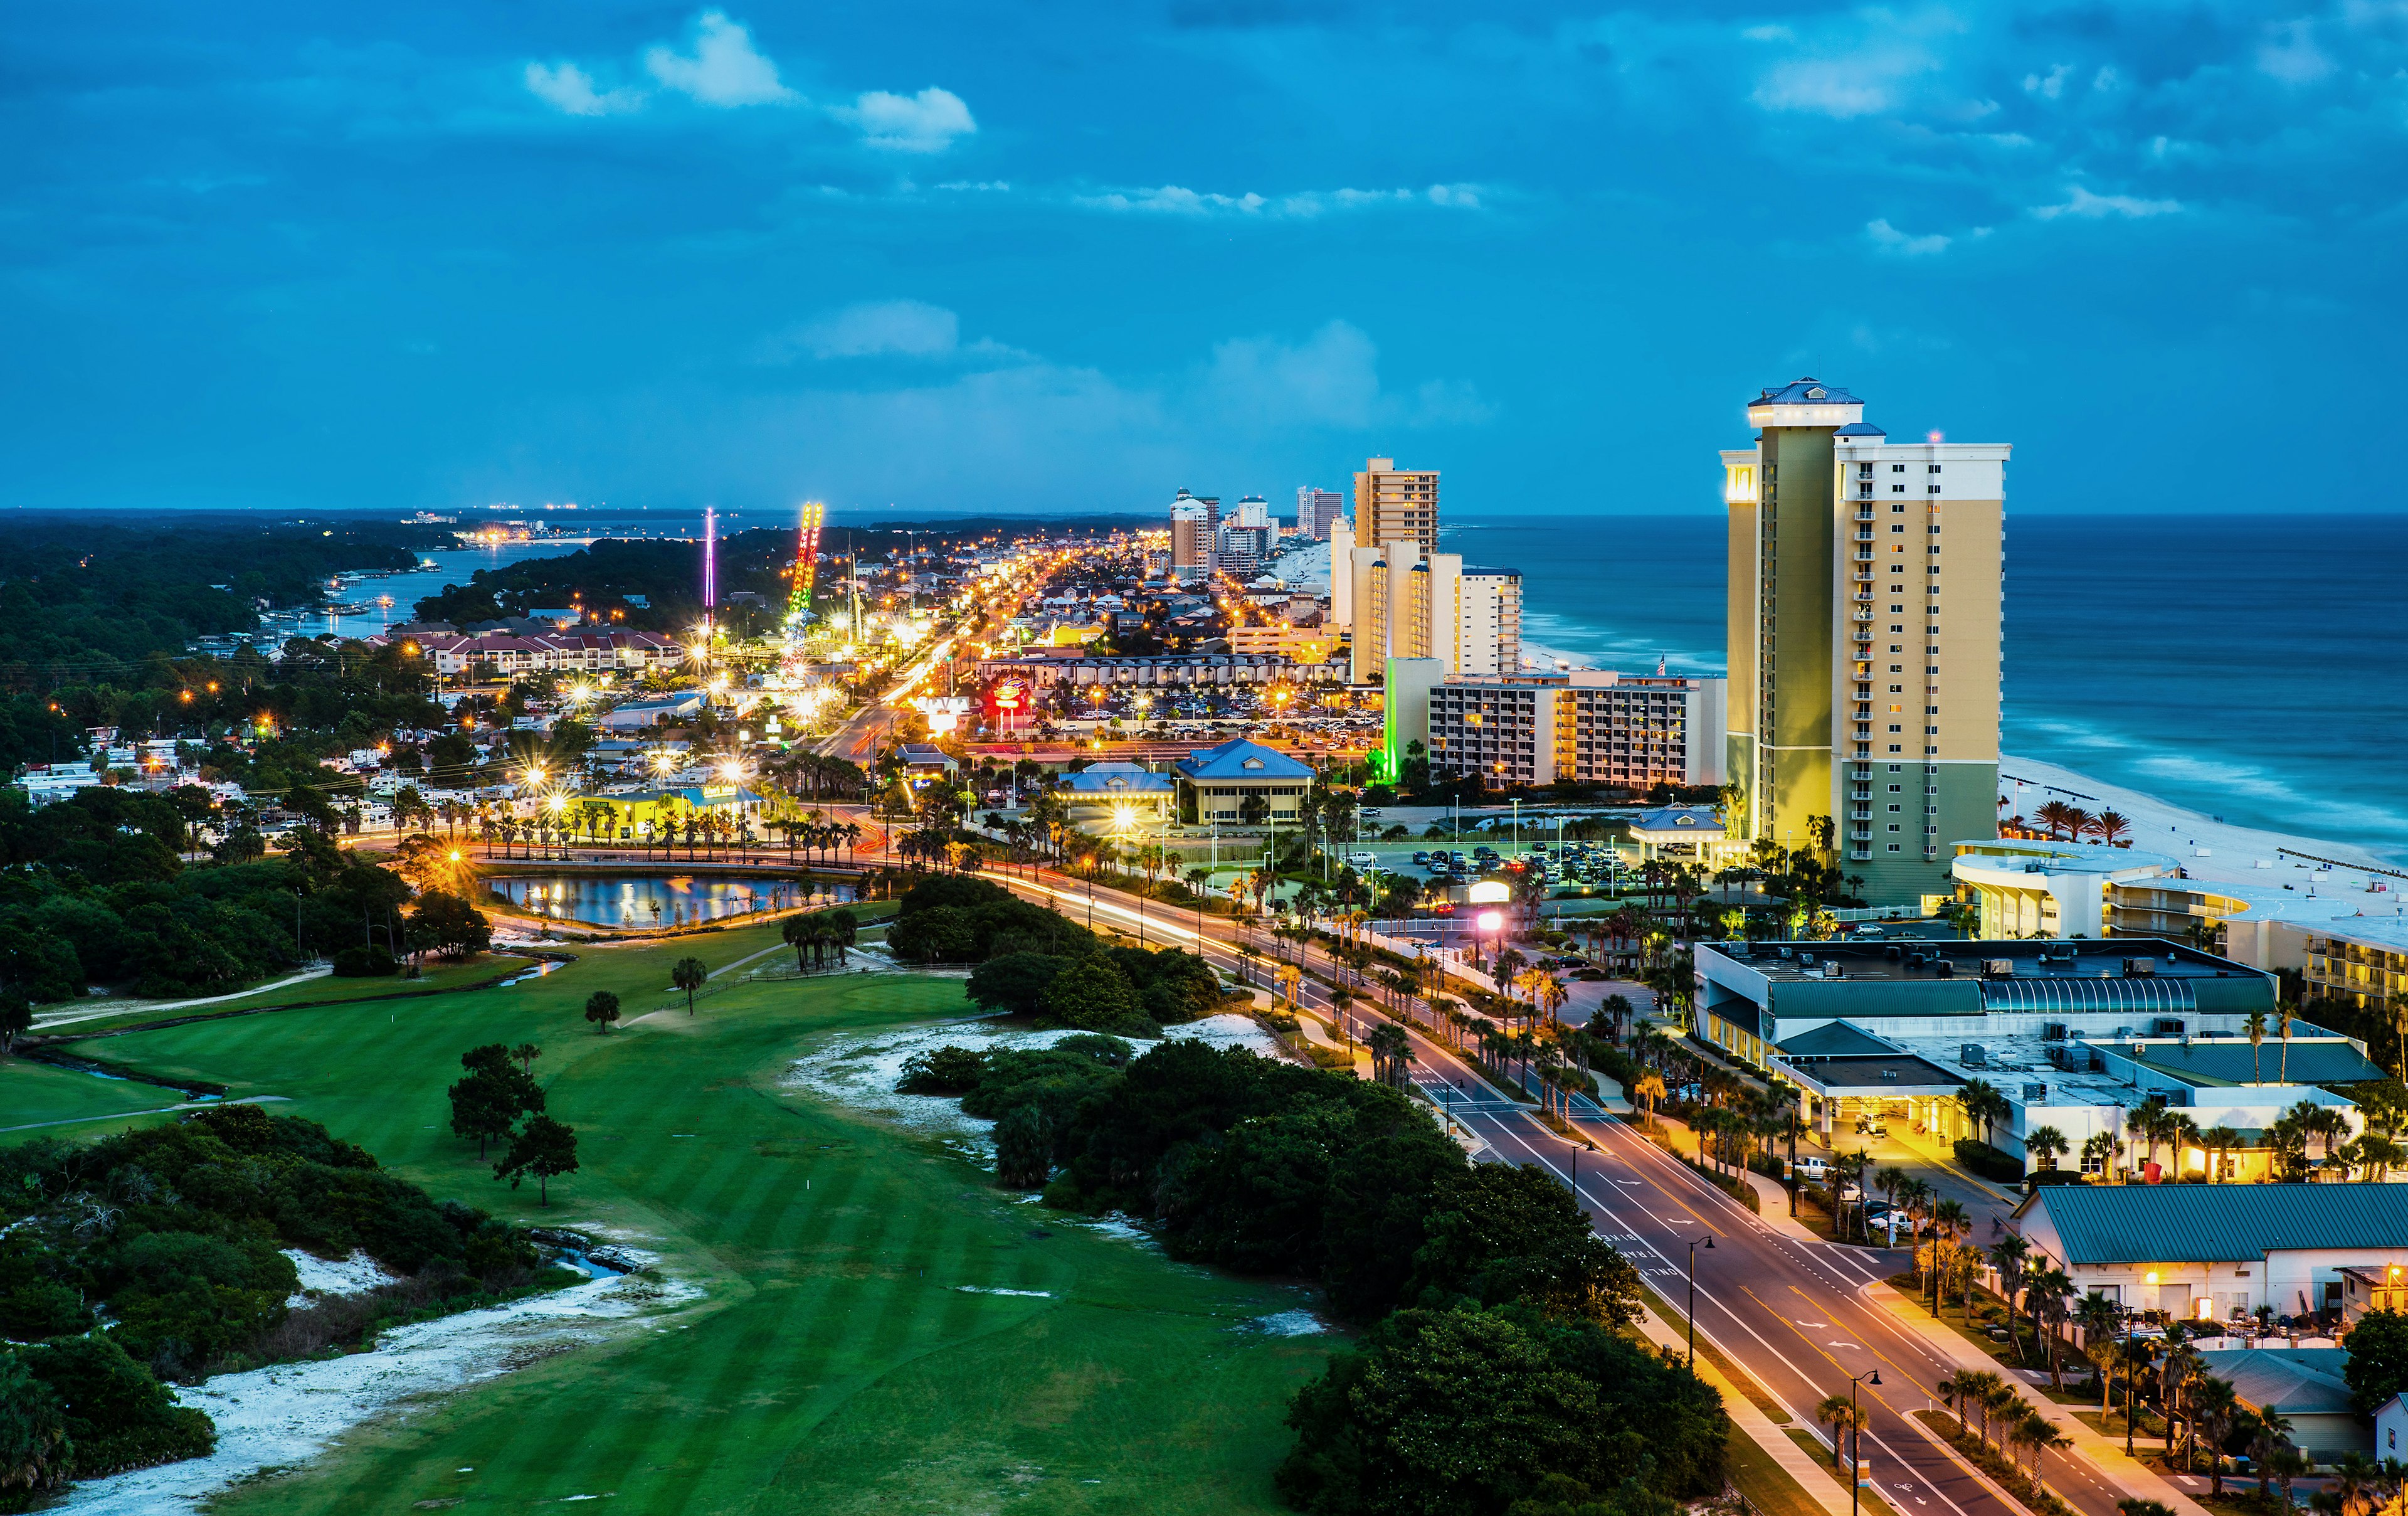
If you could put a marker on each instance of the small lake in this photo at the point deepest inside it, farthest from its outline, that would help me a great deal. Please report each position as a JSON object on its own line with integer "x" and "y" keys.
{"x": 660, "y": 901}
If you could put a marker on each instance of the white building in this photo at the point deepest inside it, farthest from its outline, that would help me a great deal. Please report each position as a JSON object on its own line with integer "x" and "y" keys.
{"x": 2218, "y": 1251}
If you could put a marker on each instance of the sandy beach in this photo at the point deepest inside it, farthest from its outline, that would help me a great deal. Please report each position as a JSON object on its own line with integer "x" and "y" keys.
{"x": 2206, "y": 848}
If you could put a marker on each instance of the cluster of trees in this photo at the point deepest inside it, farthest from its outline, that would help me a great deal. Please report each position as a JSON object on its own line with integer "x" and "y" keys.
{"x": 1492, "y": 1370}
{"x": 1128, "y": 992}
{"x": 91, "y": 611}
{"x": 612, "y": 576}
{"x": 819, "y": 934}
{"x": 949, "y": 918}
{"x": 173, "y": 1237}
{"x": 95, "y": 892}
{"x": 487, "y": 1106}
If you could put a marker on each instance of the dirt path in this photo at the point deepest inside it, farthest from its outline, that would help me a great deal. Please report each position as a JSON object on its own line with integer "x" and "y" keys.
{"x": 95, "y": 1010}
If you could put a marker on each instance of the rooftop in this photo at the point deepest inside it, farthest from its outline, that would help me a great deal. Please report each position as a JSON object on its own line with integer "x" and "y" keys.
{"x": 2291, "y": 1379}
{"x": 2119, "y": 959}
{"x": 1241, "y": 758}
{"x": 2140, "y": 1223}
{"x": 1805, "y": 392}
{"x": 2227, "y": 1061}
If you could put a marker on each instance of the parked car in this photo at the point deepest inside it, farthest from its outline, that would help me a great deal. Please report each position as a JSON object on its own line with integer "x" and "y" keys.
{"x": 1420, "y": 856}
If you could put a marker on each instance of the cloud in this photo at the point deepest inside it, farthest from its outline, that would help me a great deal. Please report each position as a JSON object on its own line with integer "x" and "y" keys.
{"x": 904, "y": 329}
{"x": 1890, "y": 240}
{"x": 726, "y": 69}
{"x": 1864, "y": 81}
{"x": 1179, "y": 200}
{"x": 2090, "y": 207}
{"x": 927, "y": 122}
{"x": 1331, "y": 379}
{"x": 2048, "y": 86}
{"x": 571, "y": 89}
{"x": 2291, "y": 54}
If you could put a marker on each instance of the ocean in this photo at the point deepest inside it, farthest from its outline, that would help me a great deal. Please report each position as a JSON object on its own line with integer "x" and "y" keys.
{"x": 2245, "y": 667}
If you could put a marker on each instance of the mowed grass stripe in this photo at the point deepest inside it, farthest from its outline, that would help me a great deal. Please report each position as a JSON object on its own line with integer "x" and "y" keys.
{"x": 826, "y": 1371}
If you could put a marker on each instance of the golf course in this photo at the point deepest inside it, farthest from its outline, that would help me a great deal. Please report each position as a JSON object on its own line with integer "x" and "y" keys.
{"x": 872, "y": 1327}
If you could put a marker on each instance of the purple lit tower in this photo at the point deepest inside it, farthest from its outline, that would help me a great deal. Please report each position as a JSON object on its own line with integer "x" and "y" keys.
{"x": 709, "y": 565}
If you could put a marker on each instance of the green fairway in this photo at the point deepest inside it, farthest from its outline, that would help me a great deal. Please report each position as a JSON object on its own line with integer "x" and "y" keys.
{"x": 34, "y": 1094}
{"x": 837, "y": 1363}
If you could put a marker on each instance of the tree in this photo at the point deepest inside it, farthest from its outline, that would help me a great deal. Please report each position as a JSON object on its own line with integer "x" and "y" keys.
{"x": 2038, "y": 1433}
{"x": 544, "y": 1147}
{"x": 15, "y": 1019}
{"x": 2007, "y": 1255}
{"x": 487, "y": 1103}
{"x": 2047, "y": 1145}
{"x": 1839, "y": 1413}
{"x": 2216, "y": 1406}
{"x": 2377, "y": 1367}
{"x": 1983, "y": 1103}
{"x": 797, "y": 935}
{"x": 449, "y": 926}
{"x": 689, "y": 974}
{"x": 602, "y": 1009}
{"x": 1093, "y": 995}
{"x": 35, "y": 1453}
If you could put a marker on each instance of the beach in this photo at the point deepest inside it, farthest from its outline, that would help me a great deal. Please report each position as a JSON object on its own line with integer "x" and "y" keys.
{"x": 2205, "y": 848}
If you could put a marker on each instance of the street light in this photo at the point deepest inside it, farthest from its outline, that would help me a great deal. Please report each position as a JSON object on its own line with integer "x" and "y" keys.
{"x": 1709, "y": 1243}
{"x": 1855, "y": 1436}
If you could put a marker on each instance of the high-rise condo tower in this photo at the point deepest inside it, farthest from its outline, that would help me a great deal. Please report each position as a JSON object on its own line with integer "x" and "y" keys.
{"x": 1395, "y": 505}
{"x": 1864, "y": 626}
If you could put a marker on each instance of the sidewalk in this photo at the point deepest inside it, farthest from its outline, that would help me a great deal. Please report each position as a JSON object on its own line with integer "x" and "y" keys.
{"x": 1818, "y": 1479}
{"x": 1772, "y": 1196}
{"x": 2104, "y": 1454}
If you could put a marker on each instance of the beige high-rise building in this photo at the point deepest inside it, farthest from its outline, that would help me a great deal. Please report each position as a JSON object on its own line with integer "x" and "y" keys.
{"x": 1407, "y": 603}
{"x": 1395, "y": 505}
{"x": 1865, "y": 622}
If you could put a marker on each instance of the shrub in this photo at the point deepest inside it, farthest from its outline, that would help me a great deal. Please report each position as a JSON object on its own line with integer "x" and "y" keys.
{"x": 946, "y": 1071}
{"x": 364, "y": 963}
{"x": 1989, "y": 1162}
{"x": 1093, "y": 995}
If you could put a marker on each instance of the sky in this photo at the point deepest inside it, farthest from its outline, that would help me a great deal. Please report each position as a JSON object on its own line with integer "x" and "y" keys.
{"x": 1006, "y": 257}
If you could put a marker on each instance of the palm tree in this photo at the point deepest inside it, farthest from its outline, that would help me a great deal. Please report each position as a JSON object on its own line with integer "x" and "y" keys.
{"x": 2181, "y": 1132}
{"x": 2214, "y": 1405}
{"x": 2008, "y": 1256}
{"x": 1647, "y": 1090}
{"x": 1975, "y": 1387}
{"x": 2272, "y": 1436}
{"x": 689, "y": 974}
{"x": 1839, "y": 1413}
{"x": 1955, "y": 1389}
{"x": 1948, "y": 1218}
{"x": 2257, "y": 1028}
{"x": 2041, "y": 1435}
{"x": 2284, "y": 1014}
{"x": 2111, "y": 827}
{"x": 2047, "y": 1145}
{"x": 2047, "y": 1292}
{"x": 2098, "y": 1317}
{"x": 796, "y": 932}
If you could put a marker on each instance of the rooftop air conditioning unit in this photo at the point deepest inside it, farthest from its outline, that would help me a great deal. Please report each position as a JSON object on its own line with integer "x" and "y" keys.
{"x": 2165, "y": 1026}
{"x": 1973, "y": 1055}
{"x": 2035, "y": 1094}
{"x": 2053, "y": 1032}
{"x": 1946, "y": 970}
{"x": 1998, "y": 968}
{"x": 2139, "y": 968}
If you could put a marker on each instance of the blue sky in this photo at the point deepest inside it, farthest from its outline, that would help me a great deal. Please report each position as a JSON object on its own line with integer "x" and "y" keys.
{"x": 1072, "y": 257}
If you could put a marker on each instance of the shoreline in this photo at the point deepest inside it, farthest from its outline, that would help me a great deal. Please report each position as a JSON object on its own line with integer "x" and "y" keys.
{"x": 2205, "y": 848}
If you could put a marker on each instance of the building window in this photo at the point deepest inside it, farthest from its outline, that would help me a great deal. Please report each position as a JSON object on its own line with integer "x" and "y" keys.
{"x": 1898, "y": 468}
{"x": 1897, "y": 489}
{"x": 1895, "y": 848}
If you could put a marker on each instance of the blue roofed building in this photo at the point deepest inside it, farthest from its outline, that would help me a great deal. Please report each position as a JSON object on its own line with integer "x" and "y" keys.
{"x": 1241, "y": 781}
{"x": 2218, "y": 1251}
{"x": 1110, "y": 790}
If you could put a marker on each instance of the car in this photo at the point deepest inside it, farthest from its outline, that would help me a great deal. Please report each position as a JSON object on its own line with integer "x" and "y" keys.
{"x": 1813, "y": 1167}
{"x": 1362, "y": 858}
{"x": 1421, "y": 858}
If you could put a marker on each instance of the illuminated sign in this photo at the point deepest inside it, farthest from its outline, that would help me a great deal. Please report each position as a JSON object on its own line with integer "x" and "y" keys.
{"x": 1490, "y": 892}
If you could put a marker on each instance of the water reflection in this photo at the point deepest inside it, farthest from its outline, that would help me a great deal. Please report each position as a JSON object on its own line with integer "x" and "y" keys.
{"x": 655, "y": 901}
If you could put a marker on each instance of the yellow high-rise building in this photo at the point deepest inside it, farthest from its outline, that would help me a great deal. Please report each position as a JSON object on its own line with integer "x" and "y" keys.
{"x": 1864, "y": 621}
{"x": 1395, "y": 505}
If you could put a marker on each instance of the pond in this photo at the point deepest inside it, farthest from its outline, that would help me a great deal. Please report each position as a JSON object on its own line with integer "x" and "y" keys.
{"x": 660, "y": 900}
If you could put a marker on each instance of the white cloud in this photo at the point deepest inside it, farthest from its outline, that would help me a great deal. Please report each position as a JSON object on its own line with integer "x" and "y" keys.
{"x": 1890, "y": 240}
{"x": 725, "y": 70}
{"x": 2050, "y": 85}
{"x": 907, "y": 328}
{"x": 568, "y": 88}
{"x": 1179, "y": 200}
{"x": 927, "y": 122}
{"x": 2291, "y": 54}
{"x": 2081, "y": 202}
{"x": 1330, "y": 379}
{"x": 1859, "y": 81}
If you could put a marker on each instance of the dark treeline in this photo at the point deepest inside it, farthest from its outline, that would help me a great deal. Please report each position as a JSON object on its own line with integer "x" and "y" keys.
{"x": 1033, "y": 961}
{"x": 93, "y": 614}
{"x": 159, "y": 1254}
{"x": 94, "y": 892}
{"x": 1496, "y": 1374}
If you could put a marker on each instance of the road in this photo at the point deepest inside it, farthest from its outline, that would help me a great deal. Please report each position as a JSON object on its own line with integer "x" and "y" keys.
{"x": 1800, "y": 1317}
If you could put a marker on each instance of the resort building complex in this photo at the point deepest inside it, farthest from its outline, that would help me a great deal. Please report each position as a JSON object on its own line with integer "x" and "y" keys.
{"x": 1864, "y": 626}
{"x": 2007, "y": 1040}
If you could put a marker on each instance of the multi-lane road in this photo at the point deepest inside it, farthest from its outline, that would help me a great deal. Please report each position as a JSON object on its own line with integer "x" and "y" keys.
{"x": 1801, "y": 1317}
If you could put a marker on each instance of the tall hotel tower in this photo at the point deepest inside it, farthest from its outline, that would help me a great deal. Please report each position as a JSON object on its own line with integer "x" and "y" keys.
{"x": 1864, "y": 624}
